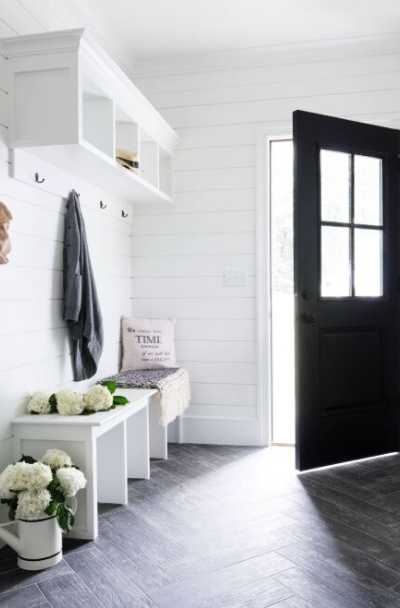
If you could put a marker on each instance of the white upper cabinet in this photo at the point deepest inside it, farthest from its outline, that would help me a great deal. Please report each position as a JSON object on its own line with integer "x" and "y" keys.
{"x": 72, "y": 105}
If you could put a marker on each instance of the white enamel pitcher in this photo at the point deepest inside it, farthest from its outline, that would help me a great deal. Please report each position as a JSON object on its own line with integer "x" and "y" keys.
{"x": 38, "y": 543}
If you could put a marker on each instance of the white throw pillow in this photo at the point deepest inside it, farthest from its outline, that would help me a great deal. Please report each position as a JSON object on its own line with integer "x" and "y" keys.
{"x": 148, "y": 343}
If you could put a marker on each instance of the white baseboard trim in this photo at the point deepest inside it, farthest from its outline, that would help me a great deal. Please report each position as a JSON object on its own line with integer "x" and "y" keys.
{"x": 79, "y": 533}
{"x": 221, "y": 431}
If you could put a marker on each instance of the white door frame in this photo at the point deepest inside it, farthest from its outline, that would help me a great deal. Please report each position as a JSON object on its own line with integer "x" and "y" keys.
{"x": 263, "y": 282}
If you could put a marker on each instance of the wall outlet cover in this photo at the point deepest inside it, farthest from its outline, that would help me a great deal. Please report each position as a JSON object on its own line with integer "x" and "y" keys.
{"x": 234, "y": 277}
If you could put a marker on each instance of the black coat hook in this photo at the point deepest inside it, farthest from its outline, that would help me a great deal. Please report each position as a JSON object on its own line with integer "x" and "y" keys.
{"x": 124, "y": 213}
{"x": 39, "y": 180}
{"x": 103, "y": 205}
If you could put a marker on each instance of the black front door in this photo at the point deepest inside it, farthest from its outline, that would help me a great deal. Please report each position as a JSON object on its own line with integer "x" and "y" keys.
{"x": 346, "y": 244}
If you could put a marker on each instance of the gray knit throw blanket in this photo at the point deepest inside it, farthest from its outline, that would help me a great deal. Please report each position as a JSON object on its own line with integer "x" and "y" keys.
{"x": 172, "y": 384}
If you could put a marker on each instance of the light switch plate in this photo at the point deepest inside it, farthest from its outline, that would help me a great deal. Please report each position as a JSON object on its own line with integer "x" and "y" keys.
{"x": 233, "y": 277}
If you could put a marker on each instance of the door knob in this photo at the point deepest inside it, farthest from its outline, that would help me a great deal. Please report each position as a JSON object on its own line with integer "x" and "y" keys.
{"x": 307, "y": 318}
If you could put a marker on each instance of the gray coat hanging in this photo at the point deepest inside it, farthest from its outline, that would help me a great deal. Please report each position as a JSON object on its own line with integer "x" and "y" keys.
{"x": 81, "y": 304}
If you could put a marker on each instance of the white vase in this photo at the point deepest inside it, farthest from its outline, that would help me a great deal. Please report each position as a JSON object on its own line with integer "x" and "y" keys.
{"x": 38, "y": 543}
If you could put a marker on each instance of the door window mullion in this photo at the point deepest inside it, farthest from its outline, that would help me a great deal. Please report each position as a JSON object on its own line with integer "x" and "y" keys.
{"x": 335, "y": 224}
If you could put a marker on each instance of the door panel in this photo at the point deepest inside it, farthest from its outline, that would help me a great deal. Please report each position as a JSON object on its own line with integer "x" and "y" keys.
{"x": 346, "y": 260}
{"x": 344, "y": 385}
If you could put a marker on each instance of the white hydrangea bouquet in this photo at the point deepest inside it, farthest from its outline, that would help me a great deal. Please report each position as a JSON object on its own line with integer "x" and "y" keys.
{"x": 31, "y": 488}
{"x": 98, "y": 398}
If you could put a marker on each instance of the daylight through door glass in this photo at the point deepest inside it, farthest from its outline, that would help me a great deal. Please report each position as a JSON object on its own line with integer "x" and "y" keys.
{"x": 367, "y": 190}
{"x": 335, "y": 191}
{"x": 335, "y": 256}
{"x": 368, "y": 262}
{"x": 352, "y": 230}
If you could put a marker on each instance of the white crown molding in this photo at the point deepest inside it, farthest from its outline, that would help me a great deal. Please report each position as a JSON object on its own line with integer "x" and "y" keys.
{"x": 63, "y": 41}
{"x": 273, "y": 55}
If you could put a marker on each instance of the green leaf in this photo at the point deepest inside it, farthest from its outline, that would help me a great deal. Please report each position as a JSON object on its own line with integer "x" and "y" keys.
{"x": 27, "y": 459}
{"x": 111, "y": 385}
{"x": 53, "y": 403}
{"x": 56, "y": 491}
{"x": 12, "y": 505}
{"x": 52, "y": 508}
{"x": 53, "y": 485}
{"x": 120, "y": 400}
{"x": 65, "y": 517}
{"x": 11, "y": 511}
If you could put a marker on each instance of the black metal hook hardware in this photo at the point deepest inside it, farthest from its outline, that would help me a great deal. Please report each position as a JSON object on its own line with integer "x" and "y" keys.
{"x": 39, "y": 180}
{"x": 124, "y": 213}
{"x": 103, "y": 205}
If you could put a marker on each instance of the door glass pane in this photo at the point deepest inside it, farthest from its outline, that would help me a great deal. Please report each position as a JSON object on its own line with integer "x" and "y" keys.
{"x": 335, "y": 262}
{"x": 335, "y": 186}
{"x": 368, "y": 262}
{"x": 367, "y": 190}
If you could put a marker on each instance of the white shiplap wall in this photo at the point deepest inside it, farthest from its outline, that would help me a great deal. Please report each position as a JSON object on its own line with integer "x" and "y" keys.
{"x": 34, "y": 350}
{"x": 219, "y": 103}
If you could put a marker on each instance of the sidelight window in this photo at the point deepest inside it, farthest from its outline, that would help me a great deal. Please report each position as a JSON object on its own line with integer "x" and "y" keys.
{"x": 351, "y": 225}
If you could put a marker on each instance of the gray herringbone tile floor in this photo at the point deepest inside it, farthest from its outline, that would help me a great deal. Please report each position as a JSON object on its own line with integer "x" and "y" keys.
{"x": 222, "y": 527}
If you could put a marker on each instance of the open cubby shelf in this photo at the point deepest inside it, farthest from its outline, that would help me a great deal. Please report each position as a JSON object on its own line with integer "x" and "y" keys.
{"x": 74, "y": 107}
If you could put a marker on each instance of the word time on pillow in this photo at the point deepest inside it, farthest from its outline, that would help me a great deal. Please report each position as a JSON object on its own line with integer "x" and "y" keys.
{"x": 148, "y": 343}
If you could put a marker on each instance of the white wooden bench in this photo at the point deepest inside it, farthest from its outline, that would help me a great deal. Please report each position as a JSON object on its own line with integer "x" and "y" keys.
{"x": 109, "y": 447}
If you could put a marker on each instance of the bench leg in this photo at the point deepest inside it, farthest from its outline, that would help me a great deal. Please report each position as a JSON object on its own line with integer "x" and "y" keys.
{"x": 158, "y": 433}
{"x": 112, "y": 466}
{"x": 180, "y": 429}
{"x": 90, "y": 503}
{"x": 139, "y": 445}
